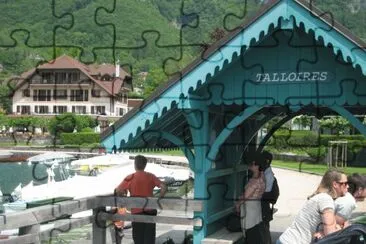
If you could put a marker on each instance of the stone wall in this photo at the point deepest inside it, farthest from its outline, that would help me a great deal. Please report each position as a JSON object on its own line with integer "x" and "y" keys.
{"x": 23, "y": 138}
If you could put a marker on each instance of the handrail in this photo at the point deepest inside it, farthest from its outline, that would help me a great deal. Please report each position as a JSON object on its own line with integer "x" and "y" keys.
{"x": 29, "y": 220}
{"x": 45, "y": 213}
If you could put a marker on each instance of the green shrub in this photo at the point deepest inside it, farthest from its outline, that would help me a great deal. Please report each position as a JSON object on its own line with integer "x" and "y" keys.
{"x": 317, "y": 153}
{"x": 310, "y": 139}
{"x": 64, "y": 123}
{"x": 324, "y": 139}
{"x": 80, "y": 138}
{"x": 87, "y": 129}
{"x": 280, "y": 138}
{"x": 285, "y": 139}
{"x": 68, "y": 122}
{"x": 85, "y": 121}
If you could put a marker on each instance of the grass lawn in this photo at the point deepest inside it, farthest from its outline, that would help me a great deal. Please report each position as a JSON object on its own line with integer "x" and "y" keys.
{"x": 314, "y": 168}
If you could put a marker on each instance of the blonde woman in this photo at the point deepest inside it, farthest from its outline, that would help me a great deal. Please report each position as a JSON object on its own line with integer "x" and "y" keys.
{"x": 318, "y": 209}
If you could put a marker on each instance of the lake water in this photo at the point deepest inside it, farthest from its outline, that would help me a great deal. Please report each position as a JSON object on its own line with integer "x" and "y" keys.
{"x": 13, "y": 174}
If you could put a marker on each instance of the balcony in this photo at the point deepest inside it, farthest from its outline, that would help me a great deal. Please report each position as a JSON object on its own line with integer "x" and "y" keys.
{"x": 59, "y": 83}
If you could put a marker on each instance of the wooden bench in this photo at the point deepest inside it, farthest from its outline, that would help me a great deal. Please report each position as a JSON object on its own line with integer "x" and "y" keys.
{"x": 223, "y": 236}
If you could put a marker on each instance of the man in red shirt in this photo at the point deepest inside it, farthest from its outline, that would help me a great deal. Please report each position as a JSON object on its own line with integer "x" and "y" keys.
{"x": 141, "y": 184}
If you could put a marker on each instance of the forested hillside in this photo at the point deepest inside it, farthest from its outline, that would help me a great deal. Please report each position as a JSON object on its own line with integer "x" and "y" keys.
{"x": 143, "y": 32}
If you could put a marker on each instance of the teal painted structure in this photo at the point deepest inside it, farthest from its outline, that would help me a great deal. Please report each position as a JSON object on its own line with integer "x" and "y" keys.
{"x": 288, "y": 60}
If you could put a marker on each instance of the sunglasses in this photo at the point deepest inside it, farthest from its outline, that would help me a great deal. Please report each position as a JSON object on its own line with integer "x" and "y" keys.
{"x": 343, "y": 183}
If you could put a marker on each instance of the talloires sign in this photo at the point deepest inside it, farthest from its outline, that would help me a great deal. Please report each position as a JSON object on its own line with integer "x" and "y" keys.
{"x": 292, "y": 77}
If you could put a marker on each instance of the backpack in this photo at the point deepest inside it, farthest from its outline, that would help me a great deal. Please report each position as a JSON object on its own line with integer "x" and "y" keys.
{"x": 233, "y": 223}
{"x": 270, "y": 198}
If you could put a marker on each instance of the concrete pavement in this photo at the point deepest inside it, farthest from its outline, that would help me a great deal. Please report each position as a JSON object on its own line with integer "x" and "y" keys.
{"x": 295, "y": 187}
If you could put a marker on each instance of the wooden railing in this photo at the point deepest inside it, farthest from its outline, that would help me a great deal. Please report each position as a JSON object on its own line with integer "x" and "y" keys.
{"x": 29, "y": 221}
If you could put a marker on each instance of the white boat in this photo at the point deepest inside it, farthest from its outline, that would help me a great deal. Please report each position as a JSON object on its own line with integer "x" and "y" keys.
{"x": 14, "y": 202}
{"x": 51, "y": 158}
{"x": 95, "y": 165}
{"x": 80, "y": 186}
{"x": 17, "y": 206}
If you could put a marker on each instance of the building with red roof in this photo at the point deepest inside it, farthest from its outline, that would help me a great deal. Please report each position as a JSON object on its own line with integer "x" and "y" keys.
{"x": 67, "y": 85}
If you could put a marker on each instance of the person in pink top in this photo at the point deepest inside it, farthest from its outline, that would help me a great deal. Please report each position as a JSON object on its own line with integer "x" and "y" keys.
{"x": 141, "y": 184}
{"x": 249, "y": 203}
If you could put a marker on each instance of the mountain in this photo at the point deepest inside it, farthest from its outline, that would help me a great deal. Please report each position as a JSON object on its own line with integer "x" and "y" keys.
{"x": 145, "y": 33}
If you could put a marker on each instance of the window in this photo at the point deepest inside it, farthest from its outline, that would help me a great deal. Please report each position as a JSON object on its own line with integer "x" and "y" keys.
{"x": 79, "y": 95}
{"x": 106, "y": 78}
{"x": 42, "y": 95}
{"x": 59, "y": 109}
{"x": 46, "y": 77}
{"x": 75, "y": 76}
{"x": 60, "y": 77}
{"x": 79, "y": 109}
{"x": 41, "y": 109}
{"x": 60, "y": 94}
{"x": 23, "y": 109}
{"x": 98, "y": 110}
{"x": 96, "y": 93}
{"x": 121, "y": 111}
{"x": 35, "y": 95}
{"x": 26, "y": 93}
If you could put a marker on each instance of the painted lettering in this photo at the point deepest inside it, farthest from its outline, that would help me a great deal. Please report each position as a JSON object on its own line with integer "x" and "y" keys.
{"x": 259, "y": 77}
{"x": 292, "y": 76}
{"x": 316, "y": 75}
{"x": 283, "y": 75}
{"x": 266, "y": 78}
{"x": 299, "y": 78}
{"x": 323, "y": 76}
{"x": 275, "y": 77}
{"x": 307, "y": 76}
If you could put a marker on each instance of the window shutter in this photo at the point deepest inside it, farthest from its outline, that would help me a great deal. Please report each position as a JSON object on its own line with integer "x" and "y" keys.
{"x": 86, "y": 95}
{"x": 35, "y": 95}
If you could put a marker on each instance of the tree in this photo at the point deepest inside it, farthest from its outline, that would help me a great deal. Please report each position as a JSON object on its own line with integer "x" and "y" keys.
{"x": 155, "y": 77}
{"x": 217, "y": 34}
{"x": 5, "y": 98}
{"x": 336, "y": 124}
{"x": 303, "y": 121}
{"x": 4, "y": 121}
{"x": 42, "y": 123}
{"x": 22, "y": 123}
{"x": 84, "y": 121}
{"x": 68, "y": 122}
{"x": 62, "y": 123}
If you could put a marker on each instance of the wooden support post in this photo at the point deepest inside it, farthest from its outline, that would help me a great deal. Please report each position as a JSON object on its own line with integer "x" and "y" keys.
{"x": 330, "y": 158}
{"x": 99, "y": 227}
{"x": 345, "y": 156}
{"x": 343, "y": 163}
{"x": 336, "y": 157}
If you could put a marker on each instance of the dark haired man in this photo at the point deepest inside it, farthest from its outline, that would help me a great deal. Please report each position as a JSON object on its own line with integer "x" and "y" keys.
{"x": 346, "y": 204}
{"x": 268, "y": 198}
{"x": 141, "y": 184}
